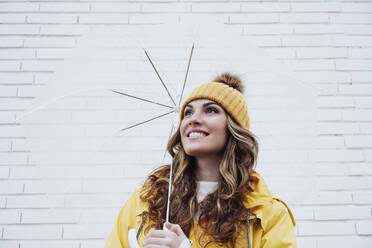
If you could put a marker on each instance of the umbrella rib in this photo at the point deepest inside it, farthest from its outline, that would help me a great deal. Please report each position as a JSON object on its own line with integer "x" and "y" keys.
{"x": 161, "y": 80}
{"x": 142, "y": 99}
{"x": 143, "y": 122}
{"x": 187, "y": 73}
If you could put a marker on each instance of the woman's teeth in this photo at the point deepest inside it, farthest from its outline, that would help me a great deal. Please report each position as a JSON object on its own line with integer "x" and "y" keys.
{"x": 194, "y": 134}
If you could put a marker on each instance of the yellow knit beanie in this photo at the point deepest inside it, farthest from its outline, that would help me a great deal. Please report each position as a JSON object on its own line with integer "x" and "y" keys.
{"x": 225, "y": 94}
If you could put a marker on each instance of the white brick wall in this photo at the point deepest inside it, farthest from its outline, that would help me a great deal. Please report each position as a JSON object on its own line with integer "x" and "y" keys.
{"x": 328, "y": 43}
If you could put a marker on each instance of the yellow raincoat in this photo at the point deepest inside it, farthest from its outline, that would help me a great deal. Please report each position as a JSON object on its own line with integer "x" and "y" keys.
{"x": 271, "y": 223}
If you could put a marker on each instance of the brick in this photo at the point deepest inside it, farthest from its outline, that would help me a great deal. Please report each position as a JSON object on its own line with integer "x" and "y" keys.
{"x": 327, "y": 198}
{"x": 362, "y": 77}
{"x": 335, "y": 102}
{"x": 32, "y": 232}
{"x": 9, "y": 244}
{"x": 41, "y": 216}
{"x": 301, "y": 18}
{"x": 362, "y": 197}
{"x": 316, "y": 7}
{"x": 265, "y": 41}
{"x": 305, "y": 41}
{"x": 203, "y": 17}
{"x": 310, "y": 65}
{"x": 108, "y": 186}
{"x": 342, "y": 183}
{"x": 320, "y": 52}
{"x": 339, "y": 155}
{"x": 221, "y": 7}
{"x": 99, "y": 215}
{"x": 357, "y": 115}
{"x": 85, "y": 231}
{"x": 328, "y": 115}
{"x": 106, "y": 200}
{"x": 326, "y": 228}
{"x": 55, "y": 29}
{"x": 118, "y": 7}
{"x": 14, "y": 78}
{"x": 342, "y": 213}
{"x": 9, "y": 216}
{"x": 363, "y": 102}
{"x": 64, "y": 7}
{"x": 4, "y": 172}
{"x": 265, "y": 7}
{"x": 12, "y": 66}
{"x": 49, "y": 42}
{"x": 51, "y": 18}
{"x": 165, "y": 7}
{"x": 344, "y": 242}
{"x": 19, "y": 29}
{"x": 280, "y": 53}
{"x": 358, "y": 141}
{"x": 49, "y": 243}
{"x": 11, "y": 187}
{"x": 351, "y": 41}
{"x": 337, "y": 128}
{"x": 306, "y": 242}
{"x": 356, "y": 29}
{"x": 95, "y": 171}
{"x": 364, "y": 227}
{"x": 365, "y": 128}
{"x": 331, "y": 169}
{"x": 254, "y": 18}
{"x": 7, "y": 117}
{"x": 326, "y": 89}
{"x": 19, "y": 7}
{"x": 12, "y": 18}
{"x": 355, "y": 89}
{"x": 317, "y": 29}
{"x": 356, "y": 7}
{"x": 368, "y": 155}
{"x": 8, "y": 91}
{"x": 55, "y": 186}
{"x": 103, "y": 18}
{"x": 11, "y": 158}
{"x": 152, "y": 19}
{"x": 360, "y": 169}
{"x": 11, "y": 42}
{"x": 303, "y": 213}
{"x": 14, "y": 104}
{"x": 360, "y": 65}
{"x": 17, "y": 53}
{"x": 328, "y": 142}
{"x": 35, "y": 201}
{"x": 360, "y": 53}
{"x": 92, "y": 244}
{"x": 341, "y": 18}
{"x": 42, "y": 65}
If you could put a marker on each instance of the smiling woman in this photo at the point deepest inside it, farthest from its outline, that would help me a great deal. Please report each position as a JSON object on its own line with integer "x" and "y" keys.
{"x": 217, "y": 198}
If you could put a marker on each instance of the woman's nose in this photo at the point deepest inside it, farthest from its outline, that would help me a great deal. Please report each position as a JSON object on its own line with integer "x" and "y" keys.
{"x": 195, "y": 117}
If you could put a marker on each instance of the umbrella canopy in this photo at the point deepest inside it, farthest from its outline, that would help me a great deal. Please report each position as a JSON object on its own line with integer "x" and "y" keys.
{"x": 102, "y": 121}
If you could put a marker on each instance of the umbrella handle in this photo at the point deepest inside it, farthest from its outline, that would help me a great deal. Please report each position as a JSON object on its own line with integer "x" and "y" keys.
{"x": 132, "y": 238}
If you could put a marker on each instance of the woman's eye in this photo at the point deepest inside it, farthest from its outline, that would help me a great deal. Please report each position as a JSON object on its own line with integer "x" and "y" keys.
{"x": 209, "y": 110}
{"x": 187, "y": 112}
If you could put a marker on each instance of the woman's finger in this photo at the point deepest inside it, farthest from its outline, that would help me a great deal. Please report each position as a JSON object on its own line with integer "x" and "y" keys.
{"x": 175, "y": 228}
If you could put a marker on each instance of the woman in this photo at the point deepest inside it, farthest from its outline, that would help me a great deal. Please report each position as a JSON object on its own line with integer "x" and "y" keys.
{"x": 217, "y": 199}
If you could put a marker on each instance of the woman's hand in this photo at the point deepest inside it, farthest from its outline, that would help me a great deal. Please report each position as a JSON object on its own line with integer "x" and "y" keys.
{"x": 171, "y": 238}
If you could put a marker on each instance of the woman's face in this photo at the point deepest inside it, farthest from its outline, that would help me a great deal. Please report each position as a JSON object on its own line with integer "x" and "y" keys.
{"x": 203, "y": 128}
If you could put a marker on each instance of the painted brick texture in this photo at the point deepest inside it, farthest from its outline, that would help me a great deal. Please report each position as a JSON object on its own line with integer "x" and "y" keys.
{"x": 327, "y": 43}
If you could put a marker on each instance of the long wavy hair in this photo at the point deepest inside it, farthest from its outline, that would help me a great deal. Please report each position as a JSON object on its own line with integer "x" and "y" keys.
{"x": 221, "y": 212}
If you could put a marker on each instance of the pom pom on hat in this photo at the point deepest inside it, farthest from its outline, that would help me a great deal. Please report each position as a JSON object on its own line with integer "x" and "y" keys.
{"x": 231, "y": 80}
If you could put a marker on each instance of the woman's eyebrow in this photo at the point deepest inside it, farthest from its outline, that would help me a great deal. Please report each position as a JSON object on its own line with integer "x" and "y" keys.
{"x": 204, "y": 105}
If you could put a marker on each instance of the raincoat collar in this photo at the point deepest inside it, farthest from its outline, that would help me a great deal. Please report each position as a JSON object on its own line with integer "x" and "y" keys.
{"x": 260, "y": 197}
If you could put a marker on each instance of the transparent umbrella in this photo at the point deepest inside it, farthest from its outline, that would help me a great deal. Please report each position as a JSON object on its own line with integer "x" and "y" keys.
{"x": 102, "y": 121}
